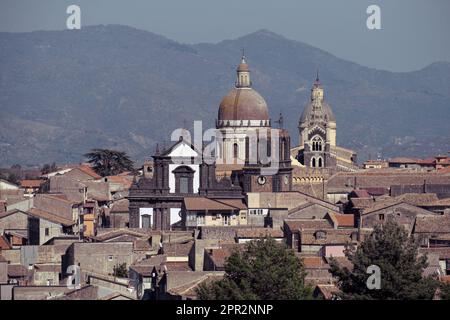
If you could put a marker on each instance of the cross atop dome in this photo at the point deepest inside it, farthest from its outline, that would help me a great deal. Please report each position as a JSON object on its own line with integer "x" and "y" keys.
{"x": 243, "y": 74}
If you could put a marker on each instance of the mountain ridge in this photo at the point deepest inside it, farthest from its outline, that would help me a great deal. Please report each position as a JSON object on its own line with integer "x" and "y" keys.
{"x": 64, "y": 92}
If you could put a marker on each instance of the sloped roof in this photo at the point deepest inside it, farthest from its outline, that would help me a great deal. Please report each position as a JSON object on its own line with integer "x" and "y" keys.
{"x": 125, "y": 181}
{"x": 36, "y": 183}
{"x": 120, "y": 206}
{"x": 314, "y": 262}
{"x": 413, "y": 200}
{"x": 301, "y": 224}
{"x": 202, "y": 203}
{"x": 361, "y": 203}
{"x": 50, "y": 217}
{"x": 345, "y": 220}
{"x": 402, "y": 160}
{"x": 432, "y": 224}
{"x": 114, "y": 233}
{"x": 361, "y": 193}
{"x": 88, "y": 170}
{"x": 328, "y": 290}
{"x": 189, "y": 289}
{"x": 7, "y": 182}
{"x": 252, "y": 232}
{"x": 4, "y": 243}
{"x": 17, "y": 270}
{"x": 333, "y": 236}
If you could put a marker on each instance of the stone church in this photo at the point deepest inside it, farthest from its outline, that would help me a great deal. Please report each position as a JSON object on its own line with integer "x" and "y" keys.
{"x": 248, "y": 142}
{"x": 317, "y": 147}
{"x": 257, "y": 157}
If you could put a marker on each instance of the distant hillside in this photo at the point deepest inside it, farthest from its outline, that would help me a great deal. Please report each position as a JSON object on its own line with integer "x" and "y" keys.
{"x": 64, "y": 92}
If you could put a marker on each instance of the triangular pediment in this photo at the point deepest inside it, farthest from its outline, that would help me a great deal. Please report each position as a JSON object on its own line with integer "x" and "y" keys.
{"x": 182, "y": 149}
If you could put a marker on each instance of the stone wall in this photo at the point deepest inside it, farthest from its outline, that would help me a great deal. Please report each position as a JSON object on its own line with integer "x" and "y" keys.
{"x": 100, "y": 257}
{"x": 18, "y": 220}
{"x": 3, "y": 272}
{"x": 441, "y": 190}
{"x": 38, "y": 292}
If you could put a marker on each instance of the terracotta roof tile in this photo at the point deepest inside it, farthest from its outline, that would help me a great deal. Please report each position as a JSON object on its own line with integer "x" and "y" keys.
{"x": 314, "y": 262}
{"x": 31, "y": 183}
{"x": 361, "y": 203}
{"x": 4, "y": 243}
{"x": 258, "y": 232}
{"x": 17, "y": 270}
{"x": 120, "y": 206}
{"x": 300, "y": 224}
{"x": 331, "y": 236}
{"x": 328, "y": 290}
{"x": 432, "y": 224}
{"x": 89, "y": 171}
{"x": 202, "y": 203}
{"x": 345, "y": 220}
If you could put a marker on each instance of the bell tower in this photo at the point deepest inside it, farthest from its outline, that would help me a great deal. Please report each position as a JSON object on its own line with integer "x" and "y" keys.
{"x": 317, "y": 131}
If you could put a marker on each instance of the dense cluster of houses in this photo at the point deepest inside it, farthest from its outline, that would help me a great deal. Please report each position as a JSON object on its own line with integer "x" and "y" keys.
{"x": 74, "y": 217}
{"x": 72, "y": 234}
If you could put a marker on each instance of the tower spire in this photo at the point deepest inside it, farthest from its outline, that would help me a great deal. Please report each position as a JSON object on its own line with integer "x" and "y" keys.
{"x": 243, "y": 73}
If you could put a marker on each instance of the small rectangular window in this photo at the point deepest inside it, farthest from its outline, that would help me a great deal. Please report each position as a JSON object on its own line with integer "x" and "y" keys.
{"x": 184, "y": 185}
{"x": 47, "y": 232}
{"x": 381, "y": 217}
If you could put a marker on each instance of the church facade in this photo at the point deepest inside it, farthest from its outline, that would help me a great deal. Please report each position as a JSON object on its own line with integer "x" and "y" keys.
{"x": 187, "y": 191}
{"x": 257, "y": 154}
{"x": 178, "y": 172}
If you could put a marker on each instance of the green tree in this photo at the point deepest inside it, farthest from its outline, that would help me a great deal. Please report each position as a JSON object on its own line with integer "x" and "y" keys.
{"x": 14, "y": 178}
{"x": 48, "y": 168}
{"x": 445, "y": 291}
{"x": 120, "y": 270}
{"x": 264, "y": 270}
{"x": 396, "y": 254}
{"x": 109, "y": 162}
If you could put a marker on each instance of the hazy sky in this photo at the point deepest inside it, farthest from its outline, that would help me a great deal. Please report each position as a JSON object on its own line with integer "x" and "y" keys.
{"x": 414, "y": 33}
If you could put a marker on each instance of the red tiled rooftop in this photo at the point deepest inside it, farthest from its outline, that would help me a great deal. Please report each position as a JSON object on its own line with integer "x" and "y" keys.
{"x": 314, "y": 262}
{"x": 28, "y": 183}
{"x": 89, "y": 171}
{"x": 345, "y": 220}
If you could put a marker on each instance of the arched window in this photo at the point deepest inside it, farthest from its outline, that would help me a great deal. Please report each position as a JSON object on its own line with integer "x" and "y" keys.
{"x": 313, "y": 162}
{"x": 320, "y": 163}
{"x": 235, "y": 150}
{"x": 317, "y": 143}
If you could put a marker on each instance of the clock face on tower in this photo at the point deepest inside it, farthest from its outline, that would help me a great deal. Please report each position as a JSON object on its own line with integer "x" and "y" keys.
{"x": 262, "y": 180}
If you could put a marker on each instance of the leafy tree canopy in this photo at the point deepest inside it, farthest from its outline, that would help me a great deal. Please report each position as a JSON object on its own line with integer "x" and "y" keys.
{"x": 48, "y": 168}
{"x": 120, "y": 270}
{"x": 264, "y": 270}
{"x": 109, "y": 162}
{"x": 396, "y": 254}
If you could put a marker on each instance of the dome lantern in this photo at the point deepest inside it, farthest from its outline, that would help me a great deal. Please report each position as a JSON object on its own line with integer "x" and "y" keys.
{"x": 243, "y": 74}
